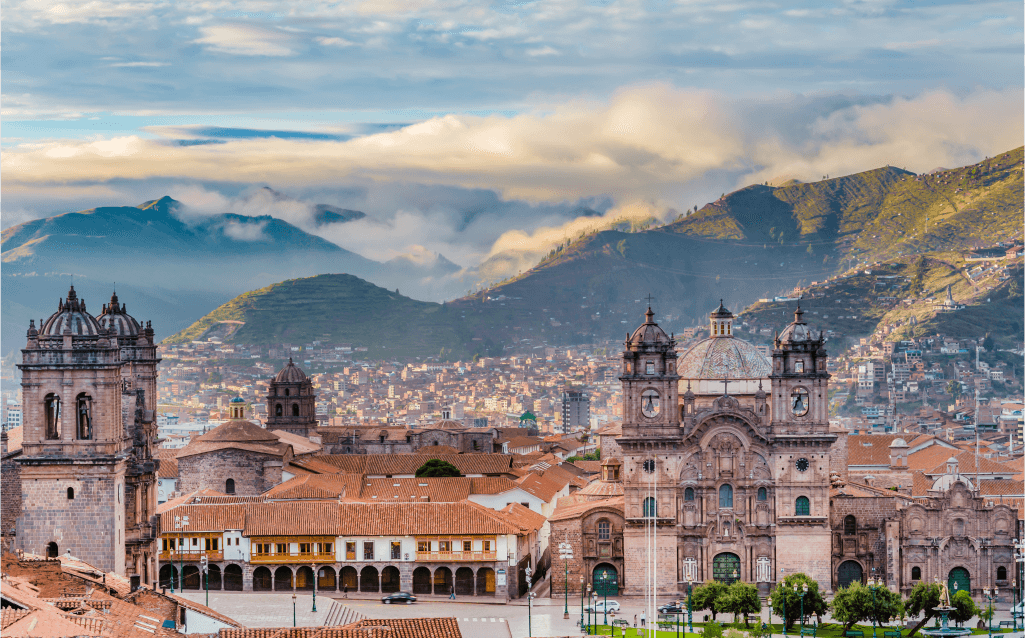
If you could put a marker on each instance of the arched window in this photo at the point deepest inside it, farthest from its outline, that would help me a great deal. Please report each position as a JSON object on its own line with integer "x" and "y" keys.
{"x": 604, "y": 530}
{"x": 52, "y": 414}
{"x": 688, "y": 494}
{"x": 83, "y": 417}
{"x": 763, "y": 494}
{"x": 229, "y": 486}
{"x": 51, "y": 550}
{"x": 649, "y": 507}
{"x": 295, "y": 409}
{"x": 726, "y": 496}
{"x": 850, "y": 525}
{"x": 278, "y": 411}
{"x": 802, "y": 507}
{"x": 1001, "y": 573}
{"x": 71, "y": 493}
{"x": 916, "y": 573}
{"x": 287, "y": 392}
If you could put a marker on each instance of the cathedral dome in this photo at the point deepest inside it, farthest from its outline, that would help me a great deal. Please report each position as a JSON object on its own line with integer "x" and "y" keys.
{"x": 71, "y": 315}
{"x": 291, "y": 373}
{"x": 649, "y": 332}
{"x": 115, "y": 318}
{"x": 797, "y": 330}
{"x": 723, "y": 357}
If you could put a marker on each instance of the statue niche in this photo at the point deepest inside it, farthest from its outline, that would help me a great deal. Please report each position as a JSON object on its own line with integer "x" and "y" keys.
{"x": 726, "y": 448}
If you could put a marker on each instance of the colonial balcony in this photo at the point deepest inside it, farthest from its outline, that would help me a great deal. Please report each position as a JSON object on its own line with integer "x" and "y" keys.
{"x": 293, "y": 558}
{"x": 455, "y": 557}
{"x": 169, "y": 557}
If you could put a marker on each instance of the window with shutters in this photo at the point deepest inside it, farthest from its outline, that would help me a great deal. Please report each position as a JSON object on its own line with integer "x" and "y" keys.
{"x": 368, "y": 550}
{"x": 396, "y": 550}
{"x": 802, "y": 507}
{"x": 423, "y": 546}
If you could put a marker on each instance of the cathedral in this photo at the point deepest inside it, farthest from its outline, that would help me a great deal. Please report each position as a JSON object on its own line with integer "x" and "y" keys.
{"x": 86, "y": 469}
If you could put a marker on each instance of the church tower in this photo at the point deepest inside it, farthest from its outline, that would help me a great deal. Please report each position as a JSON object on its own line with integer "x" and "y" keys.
{"x": 291, "y": 404}
{"x": 801, "y": 448}
{"x": 76, "y": 450}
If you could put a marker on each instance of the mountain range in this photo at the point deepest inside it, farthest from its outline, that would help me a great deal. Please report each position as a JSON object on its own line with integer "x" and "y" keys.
{"x": 756, "y": 242}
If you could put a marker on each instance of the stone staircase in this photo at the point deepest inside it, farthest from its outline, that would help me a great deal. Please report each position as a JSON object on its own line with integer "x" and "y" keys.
{"x": 339, "y": 614}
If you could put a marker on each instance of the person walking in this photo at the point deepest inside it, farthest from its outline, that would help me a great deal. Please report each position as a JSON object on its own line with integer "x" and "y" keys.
{"x": 452, "y": 596}
{"x": 635, "y": 620}
{"x": 345, "y": 591}
{"x": 644, "y": 618}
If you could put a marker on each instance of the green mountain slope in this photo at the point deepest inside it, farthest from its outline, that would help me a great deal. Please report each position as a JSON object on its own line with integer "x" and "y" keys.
{"x": 336, "y": 309}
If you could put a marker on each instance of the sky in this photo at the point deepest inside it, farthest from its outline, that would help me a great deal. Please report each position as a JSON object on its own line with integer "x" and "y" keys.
{"x": 488, "y": 130}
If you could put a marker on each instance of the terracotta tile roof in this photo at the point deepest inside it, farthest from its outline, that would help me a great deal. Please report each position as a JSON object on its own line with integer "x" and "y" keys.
{"x": 209, "y": 517}
{"x": 47, "y": 623}
{"x": 592, "y": 467}
{"x": 576, "y": 510}
{"x": 294, "y": 518}
{"x": 408, "y": 463}
{"x": 1003, "y": 487}
{"x": 540, "y": 486}
{"x": 601, "y": 489}
{"x": 9, "y": 615}
{"x": 204, "y": 495}
{"x": 526, "y": 519}
{"x": 314, "y": 465}
{"x": 920, "y": 484}
{"x": 860, "y": 490}
{"x": 317, "y": 486}
{"x": 168, "y": 468}
{"x": 300, "y": 444}
{"x": 871, "y": 449}
{"x": 930, "y": 457}
{"x": 14, "y": 439}
{"x": 199, "y": 446}
{"x": 194, "y": 606}
{"x": 966, "y": 462}
{"x": 367, "y": 628}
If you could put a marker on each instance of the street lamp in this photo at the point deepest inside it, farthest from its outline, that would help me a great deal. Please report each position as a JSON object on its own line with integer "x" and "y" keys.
{"x": 293, "y": 610}
{"x": 783, "y": 585}
{"x": 566, "y": 553}
{"x": 528, "y": 572}
{"x": 985, "y": 592}
{"x": 314, "y": 566}
{"x": 875, "y": 584}
{"x": 690, "y": 612}
{"x": 581, "y": 602}
{"x": 802, "y": 593}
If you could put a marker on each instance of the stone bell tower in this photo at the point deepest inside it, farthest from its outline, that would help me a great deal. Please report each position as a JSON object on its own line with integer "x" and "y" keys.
{"x": 291, "y": 404}
{"x": 801, "y": 440}
{"x": 75, "y": 451}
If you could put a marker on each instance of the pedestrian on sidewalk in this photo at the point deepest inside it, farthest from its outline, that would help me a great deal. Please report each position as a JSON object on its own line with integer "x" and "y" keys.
{"x": 635, "y": 620}
{"x": 644, "y": 618}
{"x": 452, "y": 596}
{"x": 345, "y": 591}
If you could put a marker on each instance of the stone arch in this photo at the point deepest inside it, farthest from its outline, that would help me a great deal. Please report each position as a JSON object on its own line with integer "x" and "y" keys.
{"x": 233, "y": 580}
{"x": 213, "y": 578}
{"x": 83, "y": 417}
{"x": 849, "y": 571}
{"x": 421, "y": 580}
{"x": 304, "y": 578}
{"x": 229, "y": 486}
{"x": 190, "y": 577}
{"x": 716, "y": 424}
{"x": 959, "y": 579}
{"x": 605, "y": 579}
{"x": 1001, "y": 573}
{"x": 916, "y": 573}
{"x": 464, "y": 581}
{"x": 295, "y": 409}
{"x": 279, "y": 410}
{"x": 850, "y": 525}
{"x": 283, "y": 579}
{"x": 442, "y": 581}
{"x": 349, "y": 578}
{"x": 52, "y": 416}
{"x": 369, "y": 579}
{"x": 262, "y": 579}
{"x": 326, "y": 580}
{"x": 168, "y": 576}
{"x": 391, "y": 579}
{"x": 802, "y": 506}
{"x": 485, "y": 581}
{"x": 71, "y": 493}
{"x": 726, "y": 568}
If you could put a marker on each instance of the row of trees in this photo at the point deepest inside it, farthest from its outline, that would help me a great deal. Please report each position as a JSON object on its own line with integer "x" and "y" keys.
{"x": 851, "y": 605}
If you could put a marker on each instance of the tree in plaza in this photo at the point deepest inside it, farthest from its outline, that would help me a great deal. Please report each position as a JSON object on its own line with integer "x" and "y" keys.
{"x": 856, "y": 603}
{"x": 964, "y": 607}
{"x": 739, "y": 598}
{"x": 923, "y": 598}
{"x": 784, "y": 597}
{"x": 707, "y": 596}
{"x": 437, "y": 467}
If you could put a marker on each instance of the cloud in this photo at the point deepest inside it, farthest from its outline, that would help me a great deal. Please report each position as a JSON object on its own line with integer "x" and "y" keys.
{"x": 244, "y": 39}
{"x": 334, "y": 42}
{"x": 246, "y": 231}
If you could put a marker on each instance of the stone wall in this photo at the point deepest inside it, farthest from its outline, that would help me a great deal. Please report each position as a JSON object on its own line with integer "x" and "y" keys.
{"x": 211, "y": 470}
{"x": 806, "y": 550}
{"x": 10, "y": 503}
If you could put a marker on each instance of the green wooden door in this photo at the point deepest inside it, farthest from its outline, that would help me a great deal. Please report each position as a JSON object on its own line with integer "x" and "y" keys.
{"x": 849, "y": 572}
{"x": 605, "y": 580}
{"x": 726, "y": 568}
{"x": 960, "y": 577}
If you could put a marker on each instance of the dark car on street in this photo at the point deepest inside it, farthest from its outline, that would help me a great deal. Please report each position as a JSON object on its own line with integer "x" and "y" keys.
{"x": 399, "y": 597}
{"x": 672, "y": 608}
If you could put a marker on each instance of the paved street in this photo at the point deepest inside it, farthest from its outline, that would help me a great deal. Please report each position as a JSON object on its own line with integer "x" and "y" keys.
{"x": 476, "y": 619}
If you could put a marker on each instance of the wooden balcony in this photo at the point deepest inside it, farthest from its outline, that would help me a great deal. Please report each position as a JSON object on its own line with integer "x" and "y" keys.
{"x": 455, "y": 557}
{"x": 293, "y": 558}
{"x": 168, "y": 557}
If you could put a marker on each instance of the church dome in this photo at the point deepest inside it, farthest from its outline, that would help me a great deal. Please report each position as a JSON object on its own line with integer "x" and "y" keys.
{"x": 649, "y": 332}
{"x": 797, "y": 330}
{"x": 115, "y": 318}
{"x": 71, "y": 315}
{"x": 723, "y": 357}
{"x": 238, "y": 431}
{"x": 291, "y": 373}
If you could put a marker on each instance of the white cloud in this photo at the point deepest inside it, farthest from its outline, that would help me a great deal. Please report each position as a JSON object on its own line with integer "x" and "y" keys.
{"x": 542, "y": 51}
{"x": 140, "y": 64}
{"x": 243, "y": 39}
{"x": 246, "y": 231}
{"x": 334, "y": 42}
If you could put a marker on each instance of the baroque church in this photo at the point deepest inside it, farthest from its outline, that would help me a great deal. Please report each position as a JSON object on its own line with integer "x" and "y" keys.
{"x": 729, "y": 470}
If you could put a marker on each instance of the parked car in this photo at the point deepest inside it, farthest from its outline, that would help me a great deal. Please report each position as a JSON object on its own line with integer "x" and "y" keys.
{"x": 603, "y": 606}
{"x": 672, "y": 608}
{"x": 399, "y": 597}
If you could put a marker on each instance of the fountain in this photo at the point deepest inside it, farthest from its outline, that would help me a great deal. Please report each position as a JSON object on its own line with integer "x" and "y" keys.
{"x": 944, "y": 609}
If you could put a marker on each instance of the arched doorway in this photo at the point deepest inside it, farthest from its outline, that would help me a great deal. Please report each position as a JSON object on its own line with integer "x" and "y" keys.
{"x": 485, "y": 581}
{"x": 326, "y": 579}
{"x": 304, "y": 579}
{"x": 726, "y": 568}
{"x": 368, "y": 580}
{"x": 233, "y": 578}
{"x": 213, "y": 577}
{"x": 262, "y": 580}
{"x": 350, "y": 578}
{"x": 168, "y": 577}
{"x": 959, "y": 576}
{"x": 464, "y": 581}
{"x": 190, "y": 577}
{"x": 605, "y": 580}
{"x": 283, "y": 579}
{"x": 849, "y": 572}
{"x": 442, "y": 581}
{"x": 51, "y": 550}
{"x": 421, "y": 580}
{"x": 390, "y": 579}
